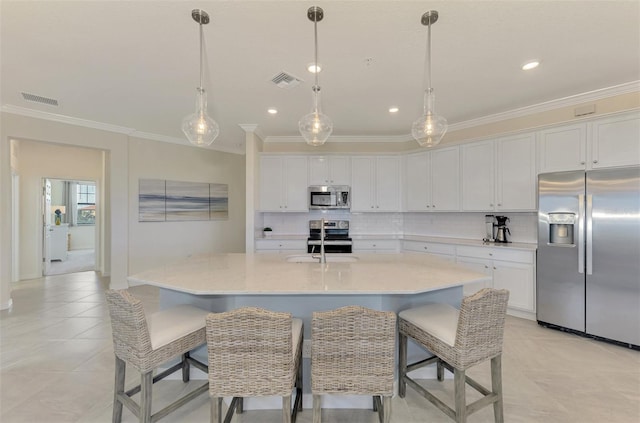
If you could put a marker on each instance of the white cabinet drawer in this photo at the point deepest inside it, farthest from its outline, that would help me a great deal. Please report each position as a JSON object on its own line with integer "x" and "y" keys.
{"x": 383, "y": 245}
{"x": 501, "y": 253}
{"x": 429, "y": 247}
{"x": 274, "y": 245}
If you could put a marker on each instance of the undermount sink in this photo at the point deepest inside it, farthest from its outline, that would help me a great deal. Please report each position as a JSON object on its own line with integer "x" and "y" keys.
{"x": 307, "y": 258}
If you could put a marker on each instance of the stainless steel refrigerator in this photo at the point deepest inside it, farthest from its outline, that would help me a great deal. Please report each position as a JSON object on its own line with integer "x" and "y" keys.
{"x": 588, "y": 266}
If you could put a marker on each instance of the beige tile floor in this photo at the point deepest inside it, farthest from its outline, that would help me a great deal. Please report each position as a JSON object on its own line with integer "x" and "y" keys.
{"x": 56, "y": 362}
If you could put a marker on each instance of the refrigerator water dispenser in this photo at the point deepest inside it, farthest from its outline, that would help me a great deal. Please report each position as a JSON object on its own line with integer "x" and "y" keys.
{"x": 561, "y": 228}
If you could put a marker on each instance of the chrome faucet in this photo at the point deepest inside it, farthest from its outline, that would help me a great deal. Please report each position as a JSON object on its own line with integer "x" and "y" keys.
{"x": 322, "y": 256}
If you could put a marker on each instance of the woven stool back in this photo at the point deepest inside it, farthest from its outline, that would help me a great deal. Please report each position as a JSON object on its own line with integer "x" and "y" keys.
{"x": 480, "y": 330}
{"x": 353, "y": 351}
{"x": 131, "y": 340}
{"x": 250, "y": 353}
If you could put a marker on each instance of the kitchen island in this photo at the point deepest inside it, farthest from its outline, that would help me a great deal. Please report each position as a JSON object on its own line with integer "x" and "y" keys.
{"x": 393, "y": 282}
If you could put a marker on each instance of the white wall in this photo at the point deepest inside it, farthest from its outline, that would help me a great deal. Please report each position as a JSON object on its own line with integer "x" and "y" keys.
{"x": 153, "y": 243}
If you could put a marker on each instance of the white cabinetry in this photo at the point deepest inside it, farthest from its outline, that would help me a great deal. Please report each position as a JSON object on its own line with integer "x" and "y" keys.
{"x": 281, "y": 246}
{"x": 388, "y": 246}
{"x": 444, "y": 251}
{"x": 478, "y": 176}
{"x": 499, "y": 175}
{"x": 615, "y": 141}
{"x": 375, "y": 184}
{"x": 516, "y": 173}
{"x": 283, "y": 183}
{"x": 510, "y": 269}
{"x": 329, "y": 170}
{"x": 607, "y": 142}
{"x": 433, "y": 180}
{"x": 563, "y": 148}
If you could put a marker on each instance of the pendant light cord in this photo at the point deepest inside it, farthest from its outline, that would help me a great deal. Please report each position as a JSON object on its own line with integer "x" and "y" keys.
{"x": 316, "y": 88}
{"x": 427, "y": 71}
{"x": 201, "y": 53}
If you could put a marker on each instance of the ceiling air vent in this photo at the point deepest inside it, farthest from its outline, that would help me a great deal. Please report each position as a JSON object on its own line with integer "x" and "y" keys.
{"x": 285, "y": 80}
{"x": 40, "y": 99}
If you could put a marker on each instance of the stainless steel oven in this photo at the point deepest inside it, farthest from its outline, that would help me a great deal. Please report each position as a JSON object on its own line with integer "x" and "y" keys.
{"x": 336, "y": 239}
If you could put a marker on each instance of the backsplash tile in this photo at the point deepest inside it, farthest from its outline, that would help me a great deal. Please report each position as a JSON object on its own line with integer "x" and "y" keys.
{"x": 523, "y": 226}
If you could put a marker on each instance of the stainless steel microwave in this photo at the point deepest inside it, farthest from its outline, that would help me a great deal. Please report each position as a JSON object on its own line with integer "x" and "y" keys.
{"x": 329, "y": 197}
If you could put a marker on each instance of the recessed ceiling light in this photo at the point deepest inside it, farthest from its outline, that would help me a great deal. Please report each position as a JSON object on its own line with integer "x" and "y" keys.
{"x": 312, "y": 68}
{"x": 393, "y": 110}
{"x": 530, "y": 65}
{"x": 272, "y": 111}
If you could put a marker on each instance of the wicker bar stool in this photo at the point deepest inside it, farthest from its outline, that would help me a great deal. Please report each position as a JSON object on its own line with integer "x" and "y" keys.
{"x": 459, "y": 339}
{"x": 254, "y": 352}
{"x": 353, "y": 353}
{"x": 146, "y": 343}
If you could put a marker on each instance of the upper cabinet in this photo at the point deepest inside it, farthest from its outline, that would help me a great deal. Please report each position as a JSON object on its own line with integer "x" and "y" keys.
{"x": 607, "y": 142}
{"x": 329, "y": 170}
{"x": 563, "y": 148}
{"x": 283, "y": 183}
{"x": 499, "y": 175}
{"x": 433, "y": 180}
{"x": 375, "y": 184}
{"x": 478, "y": 176}
{"x": 615, "y": 141}
{"x": 516, "y": 173}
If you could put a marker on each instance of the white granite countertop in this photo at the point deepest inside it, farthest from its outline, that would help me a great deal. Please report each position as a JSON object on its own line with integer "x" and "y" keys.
{"x": 422, "y": 238}
{"x": 471, "y": 242}
{"x": 271, "y": 274}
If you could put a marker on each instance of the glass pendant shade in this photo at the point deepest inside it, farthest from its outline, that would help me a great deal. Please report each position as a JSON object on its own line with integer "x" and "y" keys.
{"x": 429, "y": 128}
{"x": 199, "y": 128}
{"x": 315, "y": 128}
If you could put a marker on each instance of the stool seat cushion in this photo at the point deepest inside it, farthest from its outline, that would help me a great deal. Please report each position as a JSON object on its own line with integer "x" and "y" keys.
{"x": 296, "y": 329}
{"x": 439, "y": 320}
{"x": 166, "y": 326}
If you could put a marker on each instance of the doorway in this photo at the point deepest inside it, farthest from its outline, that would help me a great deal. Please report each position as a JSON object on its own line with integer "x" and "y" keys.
{"x": 69, "y": 226}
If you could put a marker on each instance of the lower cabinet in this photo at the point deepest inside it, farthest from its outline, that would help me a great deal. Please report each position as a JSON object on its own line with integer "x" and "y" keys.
{"x": 289, "y": 246}
{"x": 510, "y": 269}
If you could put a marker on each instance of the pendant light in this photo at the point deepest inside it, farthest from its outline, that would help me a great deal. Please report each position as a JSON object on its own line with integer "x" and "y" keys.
{"x": 429, "y": 129}
{"x": 199, "y": 128}
{"x": 316, "y": 126}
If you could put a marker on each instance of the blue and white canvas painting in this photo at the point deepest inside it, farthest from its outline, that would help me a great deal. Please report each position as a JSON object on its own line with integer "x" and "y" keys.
{"x": 151, "y": 200}
{"x": 161, "y": 201}
{"x": 218, "y": 201}
{"x": 187, "y": 201}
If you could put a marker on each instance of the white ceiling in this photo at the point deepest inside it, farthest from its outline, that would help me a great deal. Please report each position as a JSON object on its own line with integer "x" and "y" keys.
{"x": 134, "y": 64}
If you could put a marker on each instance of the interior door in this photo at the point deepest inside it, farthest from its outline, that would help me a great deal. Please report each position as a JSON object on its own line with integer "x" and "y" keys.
{"x": 46, "y": 226}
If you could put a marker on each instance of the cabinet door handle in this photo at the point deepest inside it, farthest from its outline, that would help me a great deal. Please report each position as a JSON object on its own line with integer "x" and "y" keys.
{"x": 581, "y": 163}
{"x": 433, "y": 205}
{"x": 428, "y": 206}
{"x": 499, "y": 204}
{"x": 490, "y": 254}
{"x": 490, "y": 204}
{"x": 425, "y": 248}
{"x": 486, "y": 267}
{"x": 495, "y": 268}
{"x": 595, "y": 161}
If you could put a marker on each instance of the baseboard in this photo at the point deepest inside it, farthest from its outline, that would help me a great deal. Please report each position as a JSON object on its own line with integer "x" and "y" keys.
{"x": 529, "y": 315}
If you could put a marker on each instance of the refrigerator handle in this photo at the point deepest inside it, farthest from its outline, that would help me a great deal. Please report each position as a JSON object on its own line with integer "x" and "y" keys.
{"x": 589, "y": 231}
{"x": 581, "y": 217}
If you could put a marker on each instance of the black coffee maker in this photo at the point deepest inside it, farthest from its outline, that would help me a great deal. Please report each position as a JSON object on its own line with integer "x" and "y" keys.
{"x": 501, "y": 229}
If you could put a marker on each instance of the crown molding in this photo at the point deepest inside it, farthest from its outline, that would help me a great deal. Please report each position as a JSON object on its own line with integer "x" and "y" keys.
{"x": 629, "y": 87}
{"x": 131, "y": 132}
{"x": 626, "y": 88}
{"x": 54, "y": 117}
{"x": 342, "y": 138}
{"x": 573, "y": 100}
